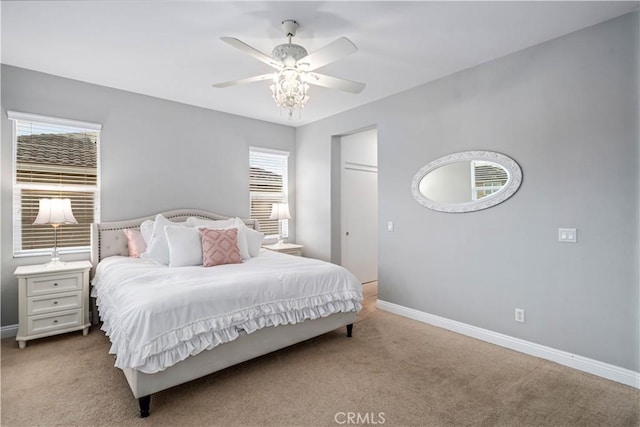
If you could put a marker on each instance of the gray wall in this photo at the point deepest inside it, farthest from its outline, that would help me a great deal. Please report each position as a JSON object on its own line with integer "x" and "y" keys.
{"x": 567, "y": 112}
{"x": 155, "y": 155}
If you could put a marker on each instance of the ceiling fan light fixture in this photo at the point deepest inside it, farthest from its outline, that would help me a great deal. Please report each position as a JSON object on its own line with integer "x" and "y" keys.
{"x": 289, "y": 53}
{"x": 296, "y": 69}
{"x": 289, "y": 89}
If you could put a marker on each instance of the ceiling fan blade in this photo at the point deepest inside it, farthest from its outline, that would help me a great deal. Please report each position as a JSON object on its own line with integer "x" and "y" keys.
{"x": 263, "y": 57}
{"x": 334, "y": 82}
{"x": 244, "y": 81}
{"x": 328, "y": 54}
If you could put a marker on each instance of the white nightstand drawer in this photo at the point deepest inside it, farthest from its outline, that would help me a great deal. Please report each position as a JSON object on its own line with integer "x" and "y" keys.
{"x": 53, "y": 283}
{"x": 46, "y": 323}
{"x": 54, "y": 302}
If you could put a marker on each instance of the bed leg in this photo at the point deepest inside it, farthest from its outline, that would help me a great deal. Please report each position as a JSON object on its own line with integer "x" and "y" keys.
{"x": 144, "y": 402}
{"x": 350, "y": 330}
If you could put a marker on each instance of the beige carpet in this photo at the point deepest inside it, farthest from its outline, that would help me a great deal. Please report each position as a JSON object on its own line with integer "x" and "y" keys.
{"x": 393, "y": 372}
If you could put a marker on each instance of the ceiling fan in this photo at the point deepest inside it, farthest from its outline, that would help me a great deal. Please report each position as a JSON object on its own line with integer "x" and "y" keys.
{"x": 295, "y": 68}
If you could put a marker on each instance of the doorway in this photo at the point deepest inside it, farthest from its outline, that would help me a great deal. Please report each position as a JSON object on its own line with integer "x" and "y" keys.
{"x": 359, "y": 204}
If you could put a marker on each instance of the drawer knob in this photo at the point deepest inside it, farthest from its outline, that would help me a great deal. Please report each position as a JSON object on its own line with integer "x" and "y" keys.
{"x": 55, "y": 284}
{"x": 55, "y": 302}
{"x": 55, "y": 321}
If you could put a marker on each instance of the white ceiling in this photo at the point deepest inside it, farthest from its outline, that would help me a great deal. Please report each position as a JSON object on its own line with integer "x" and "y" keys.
{"x": 171, "y": 49}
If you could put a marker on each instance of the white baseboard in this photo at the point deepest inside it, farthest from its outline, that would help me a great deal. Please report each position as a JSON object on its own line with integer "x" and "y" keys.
{"x": 595, "y": 367}
{"x": 9, "y": 331}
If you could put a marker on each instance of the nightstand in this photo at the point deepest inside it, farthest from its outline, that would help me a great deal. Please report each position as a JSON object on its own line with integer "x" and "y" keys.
{"x": 286, "y": 248}
{"x": 52, "y": 300}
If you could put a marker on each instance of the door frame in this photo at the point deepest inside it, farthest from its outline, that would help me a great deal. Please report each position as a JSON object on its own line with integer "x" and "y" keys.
{"x": 336, "y": 191}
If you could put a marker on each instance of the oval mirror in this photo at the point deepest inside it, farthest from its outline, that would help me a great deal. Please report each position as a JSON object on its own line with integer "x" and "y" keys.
{"x": 466, "y": 182}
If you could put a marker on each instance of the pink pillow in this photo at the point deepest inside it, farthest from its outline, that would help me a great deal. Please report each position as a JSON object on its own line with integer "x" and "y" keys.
{"x": 220, "y": 247}
{"x": 136, "y": 243}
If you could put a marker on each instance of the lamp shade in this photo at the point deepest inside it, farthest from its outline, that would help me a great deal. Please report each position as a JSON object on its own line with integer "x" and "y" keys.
{"x": 55, "y": 212}
{"x": 280, "y": 211}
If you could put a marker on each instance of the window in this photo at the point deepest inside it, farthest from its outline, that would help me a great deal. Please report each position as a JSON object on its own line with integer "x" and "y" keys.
{"x": 54, "y": 158}
{"x": 488, "y": 178}
{"x": 268, "y": 185}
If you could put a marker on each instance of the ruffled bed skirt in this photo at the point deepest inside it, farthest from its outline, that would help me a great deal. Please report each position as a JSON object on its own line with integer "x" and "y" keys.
{"x": 189, "y": 340}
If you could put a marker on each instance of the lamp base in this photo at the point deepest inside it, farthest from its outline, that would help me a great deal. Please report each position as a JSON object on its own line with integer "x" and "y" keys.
{"x": 279, "y": 243}
{"x": 55, "y": 263}
{"x": 55, "y": 259}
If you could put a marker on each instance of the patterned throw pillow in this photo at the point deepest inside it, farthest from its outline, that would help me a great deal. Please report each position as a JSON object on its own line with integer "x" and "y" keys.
{"x": 220, "y": 247}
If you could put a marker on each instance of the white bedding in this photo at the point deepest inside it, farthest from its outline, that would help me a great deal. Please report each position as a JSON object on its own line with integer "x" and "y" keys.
{"x": 157, "y": 316}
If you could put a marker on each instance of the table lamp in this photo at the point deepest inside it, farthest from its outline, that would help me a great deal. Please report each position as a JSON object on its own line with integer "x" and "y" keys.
{"x": 280, "y": 211}
{"x": 55, "y": 212}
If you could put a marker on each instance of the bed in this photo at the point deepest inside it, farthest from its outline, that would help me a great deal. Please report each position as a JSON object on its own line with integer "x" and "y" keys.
{"x": 225, "y": 314}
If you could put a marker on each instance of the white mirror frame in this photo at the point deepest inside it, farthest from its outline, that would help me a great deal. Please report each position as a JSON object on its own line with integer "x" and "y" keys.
{"x": 512, "y": 185}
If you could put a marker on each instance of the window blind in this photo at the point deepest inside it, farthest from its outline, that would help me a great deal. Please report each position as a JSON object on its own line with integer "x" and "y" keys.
{"x": 54, "y": 158}
{"x": 268, "y": 185}
{"x": 488, "y": 178}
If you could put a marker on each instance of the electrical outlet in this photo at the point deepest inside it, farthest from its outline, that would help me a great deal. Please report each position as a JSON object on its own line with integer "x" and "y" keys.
{"x": 519, "y": 315}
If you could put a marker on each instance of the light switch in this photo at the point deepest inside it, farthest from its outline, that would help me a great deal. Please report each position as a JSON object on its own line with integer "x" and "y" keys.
{"x": 389, "y": 225}
{"x": 567, "y": 235}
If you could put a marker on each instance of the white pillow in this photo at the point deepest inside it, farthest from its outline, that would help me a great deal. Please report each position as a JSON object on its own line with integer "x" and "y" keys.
{"x": 220, "y": 224}
{"x": 254, "y": 241}
{"x": 158, "y": 248}
{"x": 146, "y": 228}
{"x": 242, "y": 238}
{"x": 185, "y": 246}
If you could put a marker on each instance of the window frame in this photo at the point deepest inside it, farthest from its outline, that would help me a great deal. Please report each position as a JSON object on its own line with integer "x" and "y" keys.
{"x": 283, "y": 224}
{"x": 493, "y": 187}
{"x": 17, "y": 187}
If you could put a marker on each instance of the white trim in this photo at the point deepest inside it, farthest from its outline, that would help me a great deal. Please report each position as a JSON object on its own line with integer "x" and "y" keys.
{"x": 47, "y": 251}
{"x": 8, "y": 331}
{"x": 269, "y": 155}
{"x": 595, "y": 367}
{"x": 15, "y": 115}
{"x": 269, "y": 151}
{"x": 57, "y": 187}
{"x": 18, "y": 187}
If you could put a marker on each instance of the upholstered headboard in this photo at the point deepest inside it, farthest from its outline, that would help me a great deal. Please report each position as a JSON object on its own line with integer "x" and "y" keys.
{"x": 108, "y": 239}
